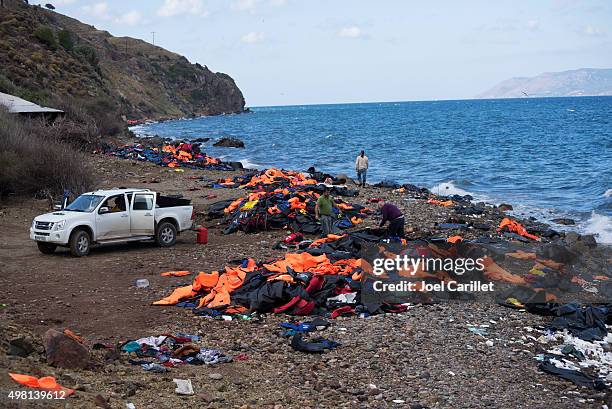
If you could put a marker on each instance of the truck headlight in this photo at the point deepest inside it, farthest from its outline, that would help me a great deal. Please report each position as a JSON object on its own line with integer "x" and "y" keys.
{"x": 33, "y": 224}
{"x": 59, "y": 225}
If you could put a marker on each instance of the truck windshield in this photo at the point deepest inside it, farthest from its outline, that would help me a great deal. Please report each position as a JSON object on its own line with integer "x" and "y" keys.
{"x": 85, "y": 203}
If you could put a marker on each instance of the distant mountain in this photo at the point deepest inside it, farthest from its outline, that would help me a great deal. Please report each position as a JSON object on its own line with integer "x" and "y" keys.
{"x": 580, "y": 82}
{"x": 46, "y": 55}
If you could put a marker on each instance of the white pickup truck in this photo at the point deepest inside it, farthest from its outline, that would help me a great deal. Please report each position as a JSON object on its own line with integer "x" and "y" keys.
{"x": 112, "y": 216}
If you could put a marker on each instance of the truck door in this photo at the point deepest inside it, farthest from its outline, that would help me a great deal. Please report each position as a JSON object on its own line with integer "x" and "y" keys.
{"x": 113, "y": 219}
{"x": 142, "y": 220}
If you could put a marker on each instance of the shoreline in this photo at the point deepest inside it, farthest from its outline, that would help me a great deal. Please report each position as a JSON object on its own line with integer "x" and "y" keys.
{"x": 586, "y": 223}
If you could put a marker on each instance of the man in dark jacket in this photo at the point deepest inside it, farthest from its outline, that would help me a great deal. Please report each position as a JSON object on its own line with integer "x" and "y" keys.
{"x": 395, "y": 217}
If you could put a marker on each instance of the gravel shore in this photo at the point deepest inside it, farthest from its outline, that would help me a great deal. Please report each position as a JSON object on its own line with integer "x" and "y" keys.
{"x": 423, "y": 358}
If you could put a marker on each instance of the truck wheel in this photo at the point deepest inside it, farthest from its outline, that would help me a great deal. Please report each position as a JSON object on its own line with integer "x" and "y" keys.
{"x": 166, "y": 234}
{"x": 80, "y": 242}
{"x": 46, "y": 248}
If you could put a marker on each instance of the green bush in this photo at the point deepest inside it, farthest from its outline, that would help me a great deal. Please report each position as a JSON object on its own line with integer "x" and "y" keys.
{"x": 87, "y": 53}
{"x": 46, "y": 36}
{"x": 6, "y": 85}
{"x": 64, "y": 38}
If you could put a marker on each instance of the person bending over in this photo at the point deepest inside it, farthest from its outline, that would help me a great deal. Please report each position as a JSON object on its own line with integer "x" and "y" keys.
{"x": 324, "y": 211}
{"x": 395, "y": 217}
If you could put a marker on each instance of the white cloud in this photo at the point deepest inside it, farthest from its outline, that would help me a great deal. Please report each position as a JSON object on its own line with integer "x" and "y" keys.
{"x": 593, "y": 31}
{"x": 253, "y": 37}
{"x": 278, "y": 3}
{"x": 244, "y": 5}
{"x": 132, "y": 18}
{"x": 351, "y": 32}
{"x": 176, "y": 7}
{"x": 533, "y": 25}
{"x": 99, "y": 10}
{"x": 59, "y": 2}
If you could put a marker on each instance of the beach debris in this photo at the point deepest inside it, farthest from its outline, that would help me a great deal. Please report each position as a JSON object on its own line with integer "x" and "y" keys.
{"x": 478, "y": 331}
{"x": 183, "y": 386}
{"x": 141, "y": 283}
{"x": 47, "y": 383}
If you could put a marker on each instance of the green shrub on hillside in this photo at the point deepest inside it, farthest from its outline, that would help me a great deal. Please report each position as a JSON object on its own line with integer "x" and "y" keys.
{"x": 64, "y": 38}
{"x": 87, "y": 53}
{"x": 46, "y": 36}
{"x": 6, "y": 85}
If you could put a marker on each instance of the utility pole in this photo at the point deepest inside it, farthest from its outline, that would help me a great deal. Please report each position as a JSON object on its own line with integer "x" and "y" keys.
{"x": 153, "y": 32}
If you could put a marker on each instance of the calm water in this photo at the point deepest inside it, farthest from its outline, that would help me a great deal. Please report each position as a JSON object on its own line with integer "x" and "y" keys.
{"x": 549, "y": 157}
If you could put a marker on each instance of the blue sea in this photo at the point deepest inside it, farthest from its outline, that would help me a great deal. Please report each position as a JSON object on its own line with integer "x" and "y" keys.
{"x": 549, "y": 157}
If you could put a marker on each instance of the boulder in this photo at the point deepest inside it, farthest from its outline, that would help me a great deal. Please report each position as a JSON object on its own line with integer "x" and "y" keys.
{"x": 580, "y": 244}
{"x": 588, "y": 240}
{"x": 200, "y": 140}
{"x": 571, "y": 238}
{"x": 21, "y": 346}
{"x": 342, "y": 178}
{"x": 565, "y": 221}
{"x": 236, "y": 165}
{"x": 504, "y": 207}
{"x": 64, "y": 352}
{"x": 229, "y": 143}
{"x": 556, "y": 252}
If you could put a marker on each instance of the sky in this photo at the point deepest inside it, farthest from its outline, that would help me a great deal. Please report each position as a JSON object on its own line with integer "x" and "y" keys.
{"x": 286, "y": 52}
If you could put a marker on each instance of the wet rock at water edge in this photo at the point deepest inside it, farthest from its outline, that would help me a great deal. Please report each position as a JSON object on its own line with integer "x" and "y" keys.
{"x": 229, "y": 143}
{"x": 565, "y": 221}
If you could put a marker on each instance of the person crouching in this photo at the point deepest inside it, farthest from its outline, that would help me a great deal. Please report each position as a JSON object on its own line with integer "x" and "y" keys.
{"x": 395, "y": 217}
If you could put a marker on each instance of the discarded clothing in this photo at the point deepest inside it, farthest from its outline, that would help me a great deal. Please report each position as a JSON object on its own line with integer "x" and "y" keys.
{"x": 585, "y": 322}
{"x": 318, "y": 345}
{"x": 574, "y": 376}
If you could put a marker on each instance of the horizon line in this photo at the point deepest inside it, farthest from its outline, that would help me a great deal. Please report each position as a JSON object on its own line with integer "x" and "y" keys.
{"x": 424, "y": 100}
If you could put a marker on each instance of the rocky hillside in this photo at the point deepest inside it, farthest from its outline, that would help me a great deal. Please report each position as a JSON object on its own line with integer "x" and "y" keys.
{"x": 580, "y": 82}
{"x": 46, "y": 56}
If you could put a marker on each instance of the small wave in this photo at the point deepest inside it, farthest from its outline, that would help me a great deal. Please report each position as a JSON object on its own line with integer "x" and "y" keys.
{"x": 248, "y": 164}
{"x": 600, "y": 226}
{"x": 449, "y": 189}
{"x": 137, "y": 129}
{"x": 608, "y": 193}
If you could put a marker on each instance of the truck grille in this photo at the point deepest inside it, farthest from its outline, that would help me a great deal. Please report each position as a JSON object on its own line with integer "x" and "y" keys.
{"x": 43, "y": 225}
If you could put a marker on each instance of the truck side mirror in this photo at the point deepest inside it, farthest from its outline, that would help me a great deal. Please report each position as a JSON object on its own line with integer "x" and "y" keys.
{"x": 57, "y": 207}
{"x": 103, "y": 210}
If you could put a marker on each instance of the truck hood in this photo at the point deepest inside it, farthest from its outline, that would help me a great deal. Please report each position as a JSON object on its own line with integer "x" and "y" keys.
{"x": 58, "y": 216}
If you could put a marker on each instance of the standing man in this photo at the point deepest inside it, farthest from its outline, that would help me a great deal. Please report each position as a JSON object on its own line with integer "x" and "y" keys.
{"x": 324, "y": 211}
{"x": 361, "y": 166}
{"x": 395, "y": 217}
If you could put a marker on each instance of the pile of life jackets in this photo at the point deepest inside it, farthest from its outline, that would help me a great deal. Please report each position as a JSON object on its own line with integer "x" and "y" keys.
{"x": 268, "y": 179}
{"x": 184, "y": 155}
{"x": 281, "y": 199}
{"x": 331, "y": 278}
{"x": 301, "y": 283}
